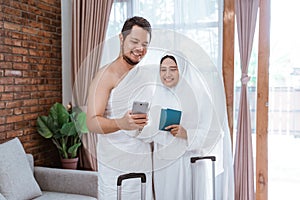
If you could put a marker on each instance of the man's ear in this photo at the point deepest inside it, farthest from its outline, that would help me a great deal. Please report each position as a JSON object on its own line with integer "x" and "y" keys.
{"x": 121, "y": 39}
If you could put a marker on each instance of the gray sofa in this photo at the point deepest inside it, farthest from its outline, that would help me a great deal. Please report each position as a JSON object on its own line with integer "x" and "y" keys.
{"x": 66, "y": 184}
{"x": 27, "y": 181}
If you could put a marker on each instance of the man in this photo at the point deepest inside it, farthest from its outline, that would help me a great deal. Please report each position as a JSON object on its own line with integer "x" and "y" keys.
{"x": 108, "y": 113}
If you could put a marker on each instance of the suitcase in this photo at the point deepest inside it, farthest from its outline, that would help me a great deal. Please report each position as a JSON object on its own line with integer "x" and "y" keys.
{"x": 193, "y": 163}
{"x": 122, "y": 177}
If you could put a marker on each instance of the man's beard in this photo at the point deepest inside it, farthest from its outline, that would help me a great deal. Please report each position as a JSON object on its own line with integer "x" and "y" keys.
{"x": 129, "y": 61}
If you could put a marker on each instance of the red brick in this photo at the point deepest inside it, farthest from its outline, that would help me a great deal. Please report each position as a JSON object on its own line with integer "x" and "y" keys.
{"x": 13, "y": 104}
{"x": 30, "y": 88}
{"x": 18, "y": 5}
{"x": 13, "y": 73}
{"x": 22, "y": 95}
{"x": 13, "y": 58}
{"x": 6, "y": 96}
{"x": 2, "y": 119}
{"x": 5, "y": 65}
{"x": 22, "y": 81}
{"x": 9, "y": 127}
{"x": 17, "y": 50}
{"x": 44, "y": 7}
{"x": 50, "y": 15}
{"x": 12, "y": 119}
{"x": 29, "y": 44}
{"x": 35, "y": 24}
{"x": 2, "y": 136}
{"x": 13, "y": 42}
{"x": 2, "y": 129}
{"x": 11, "y": 11}
{"x": 12, "y": 134}
{"x": 43, "y": 20}
{"x": 37, "y": 95}
{"x": 17, "y": 35}
{"x": 29, "y": 16}
{"x": 30, "y": 102}
{"x": 6, "y": 112}
{"x": 23, "y": 66}
{"x": 11, "y": 26}
{"x": 13, "y": 88}
{"x": 37, "y": 81}
{"x": 5, "y": 49}
{"x": 6, "y": 80}
{"x": 21, "y": 125}
{"x": 18, "y": 111}
{"x": 31, "y": 116}
{"x": 33, "y": 31}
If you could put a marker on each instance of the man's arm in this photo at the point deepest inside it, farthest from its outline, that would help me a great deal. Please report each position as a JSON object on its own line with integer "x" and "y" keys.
{"x": 99, "y": 93}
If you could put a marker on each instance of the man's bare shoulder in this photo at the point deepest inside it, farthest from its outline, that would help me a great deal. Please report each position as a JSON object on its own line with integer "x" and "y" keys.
{"x": 106, "y": 77}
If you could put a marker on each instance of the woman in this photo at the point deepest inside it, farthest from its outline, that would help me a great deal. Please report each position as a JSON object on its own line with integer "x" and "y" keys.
{"x": 174, "y": 147}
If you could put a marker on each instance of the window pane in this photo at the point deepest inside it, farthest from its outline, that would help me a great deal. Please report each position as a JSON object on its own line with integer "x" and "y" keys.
{"x": 199, "y": 20}
{"x": 284, "y": 104}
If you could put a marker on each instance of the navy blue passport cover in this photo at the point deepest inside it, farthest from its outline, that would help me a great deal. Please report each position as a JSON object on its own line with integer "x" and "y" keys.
{"x": 169, "y": 117}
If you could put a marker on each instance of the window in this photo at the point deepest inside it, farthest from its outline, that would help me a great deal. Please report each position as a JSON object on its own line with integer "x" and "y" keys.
{"x": 199, "y": 20}
{"x": 284, "y": 104}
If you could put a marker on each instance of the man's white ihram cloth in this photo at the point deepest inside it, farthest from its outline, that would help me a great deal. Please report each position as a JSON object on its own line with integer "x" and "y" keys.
{"x": 121, "y": 152}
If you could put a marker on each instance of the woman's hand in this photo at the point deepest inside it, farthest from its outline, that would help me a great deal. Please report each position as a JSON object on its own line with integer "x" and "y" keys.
{"x": 177, "y": 131}
{"x": 132, "y": 121}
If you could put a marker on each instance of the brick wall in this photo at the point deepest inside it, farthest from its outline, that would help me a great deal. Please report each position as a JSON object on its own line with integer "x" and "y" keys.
{"x": 30, "y": 72}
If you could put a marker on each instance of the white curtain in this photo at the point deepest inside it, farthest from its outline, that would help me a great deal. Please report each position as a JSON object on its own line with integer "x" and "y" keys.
{"x": 199, "y": 20}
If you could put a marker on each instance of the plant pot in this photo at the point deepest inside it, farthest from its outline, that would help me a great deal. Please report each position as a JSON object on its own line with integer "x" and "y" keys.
{"x": 69, "y": 163}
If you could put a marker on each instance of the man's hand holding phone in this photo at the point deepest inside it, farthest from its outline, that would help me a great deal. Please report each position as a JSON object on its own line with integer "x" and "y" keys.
{"x": 139, "y": 113}
{"x": 136, "y": 118}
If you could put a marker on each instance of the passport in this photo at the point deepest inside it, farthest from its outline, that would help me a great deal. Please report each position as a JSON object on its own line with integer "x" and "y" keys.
{"x": 169, "y": 117}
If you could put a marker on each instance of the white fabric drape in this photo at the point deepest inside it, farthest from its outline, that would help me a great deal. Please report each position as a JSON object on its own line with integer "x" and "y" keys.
{"x": 246, "y": 14}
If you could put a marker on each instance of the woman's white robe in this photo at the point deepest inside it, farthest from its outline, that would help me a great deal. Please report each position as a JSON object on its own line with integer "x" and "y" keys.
{"x": 171, "y": 157}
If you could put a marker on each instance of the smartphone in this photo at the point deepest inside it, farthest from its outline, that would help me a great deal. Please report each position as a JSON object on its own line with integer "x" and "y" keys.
{"x": 139, "y": 107}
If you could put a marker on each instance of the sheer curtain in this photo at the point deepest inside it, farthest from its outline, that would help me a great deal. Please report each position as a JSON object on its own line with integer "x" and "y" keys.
{"x": 199, "y": 20}
{"x": 90, "y": 19}
{"x": 246, "y": 14}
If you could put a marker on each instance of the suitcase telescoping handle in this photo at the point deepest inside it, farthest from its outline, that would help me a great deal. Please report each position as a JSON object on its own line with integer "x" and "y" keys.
{"x": 213, "y": 159}
{"x": 122, "y": 177}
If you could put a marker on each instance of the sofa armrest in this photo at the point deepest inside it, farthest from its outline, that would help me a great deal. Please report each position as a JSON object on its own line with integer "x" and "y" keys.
{"x": 67, "y": 181}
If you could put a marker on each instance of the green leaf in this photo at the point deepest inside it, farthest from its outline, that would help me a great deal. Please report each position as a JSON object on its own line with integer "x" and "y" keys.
{"x": 42, "y": 127}
{"x": 73, "y": 150}
{"x": 68, "y": 129}
{"x": 59, "y": 114}
{"x": 81, "y": 123}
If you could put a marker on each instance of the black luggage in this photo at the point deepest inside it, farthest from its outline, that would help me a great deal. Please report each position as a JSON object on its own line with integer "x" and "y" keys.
{"x": 142, "y": 176}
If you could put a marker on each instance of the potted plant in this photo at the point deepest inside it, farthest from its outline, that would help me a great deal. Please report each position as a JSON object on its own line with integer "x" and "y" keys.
{"x": 65, "y": 127}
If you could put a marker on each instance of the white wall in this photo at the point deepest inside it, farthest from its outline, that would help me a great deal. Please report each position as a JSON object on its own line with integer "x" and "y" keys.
{"x": 66, "y": 20}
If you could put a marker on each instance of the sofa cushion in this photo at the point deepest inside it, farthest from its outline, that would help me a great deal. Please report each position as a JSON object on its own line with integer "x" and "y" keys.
{"x": 62, "y": 196}
{"x": 2, "y": 197}
{"x": 16, "y": 178}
